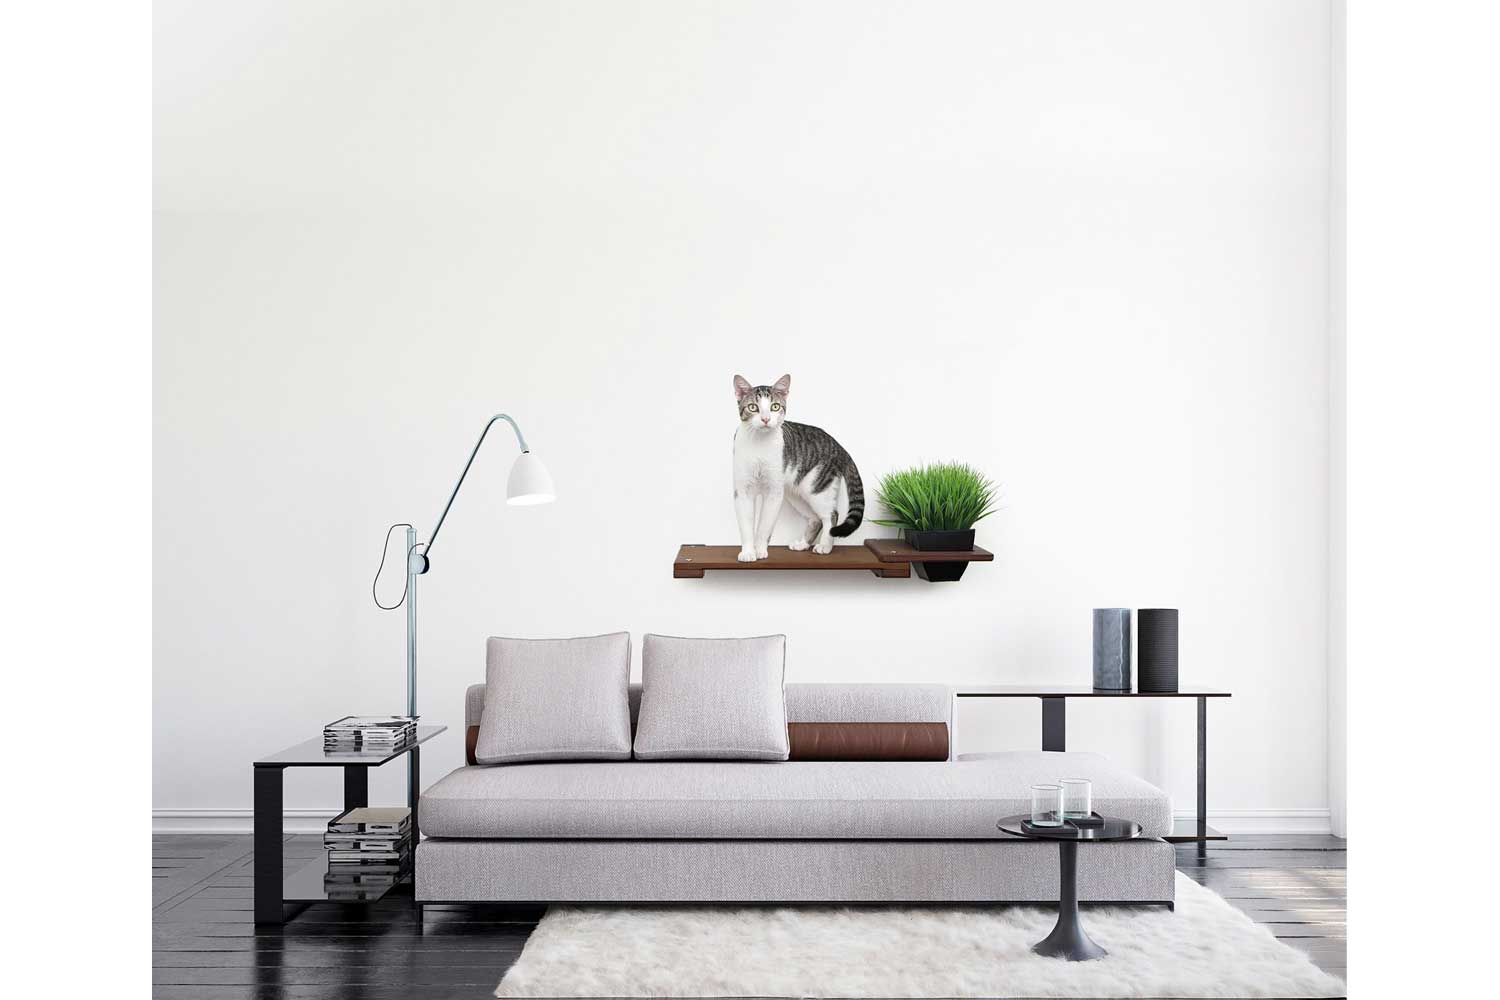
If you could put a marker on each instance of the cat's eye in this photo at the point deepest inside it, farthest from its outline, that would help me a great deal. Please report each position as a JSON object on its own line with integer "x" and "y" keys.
{"x": 775, "y": 406}
{"x": 753, "y": 408}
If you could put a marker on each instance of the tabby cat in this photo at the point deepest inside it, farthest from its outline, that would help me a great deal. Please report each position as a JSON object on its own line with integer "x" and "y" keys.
{"x": 775, "y": 459}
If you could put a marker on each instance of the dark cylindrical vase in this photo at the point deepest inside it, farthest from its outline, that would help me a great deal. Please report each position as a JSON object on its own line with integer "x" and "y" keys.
{"x": 1112, "y": 649}
{"x": 1156, "y": 636}
{"x": 941, "y": 541}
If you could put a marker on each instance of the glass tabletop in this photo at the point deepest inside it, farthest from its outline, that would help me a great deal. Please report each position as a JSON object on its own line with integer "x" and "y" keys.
{"x": 309, "y": 753}
{"x": 1074, "y": 691}
{"x": 1113, "y": 829}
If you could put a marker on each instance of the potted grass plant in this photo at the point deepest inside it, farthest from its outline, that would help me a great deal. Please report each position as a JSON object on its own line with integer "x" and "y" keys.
{"x": 936, "y": 507}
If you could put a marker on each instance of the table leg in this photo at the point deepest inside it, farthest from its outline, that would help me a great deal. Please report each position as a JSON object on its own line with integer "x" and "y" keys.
{"x": 413, "y": 796}
{"x": 1068, "y": 940}
{"x": 356, "y": 786}
{"x": 1055, "y": 724}
{"x": 1202, "y": 778}
{"x": 414, "y": 791}
{"x": 268, "y": 809}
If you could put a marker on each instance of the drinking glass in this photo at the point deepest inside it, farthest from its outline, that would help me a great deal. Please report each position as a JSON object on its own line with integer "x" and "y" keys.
{"x": 1078, "y": 798}
{"x": 1046, "y": 805}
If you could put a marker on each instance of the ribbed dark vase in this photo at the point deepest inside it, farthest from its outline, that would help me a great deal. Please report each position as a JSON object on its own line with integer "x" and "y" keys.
{"x": 941, "y": 541}
{"x": 1156, "y": 649}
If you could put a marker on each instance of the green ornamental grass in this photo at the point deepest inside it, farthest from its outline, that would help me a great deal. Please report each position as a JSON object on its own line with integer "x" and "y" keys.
{"x": 945, "y": 496}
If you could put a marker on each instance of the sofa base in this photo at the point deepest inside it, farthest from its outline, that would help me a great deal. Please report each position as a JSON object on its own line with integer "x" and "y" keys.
{"x": 640, "y": 872}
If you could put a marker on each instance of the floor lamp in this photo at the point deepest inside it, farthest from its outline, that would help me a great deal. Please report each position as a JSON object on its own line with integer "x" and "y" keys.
{"x": 529, "y": 484}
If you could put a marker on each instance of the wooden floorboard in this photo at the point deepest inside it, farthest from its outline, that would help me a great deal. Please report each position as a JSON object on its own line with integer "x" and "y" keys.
{"x": 206, "y": 947}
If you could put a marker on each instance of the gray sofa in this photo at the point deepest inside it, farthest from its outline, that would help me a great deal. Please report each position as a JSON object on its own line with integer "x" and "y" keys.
{"x": 851, "y": 831}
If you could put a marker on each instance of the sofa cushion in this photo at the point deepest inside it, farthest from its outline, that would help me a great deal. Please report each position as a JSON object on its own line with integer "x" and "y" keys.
{"x": 759, "y": 800}
{"x": 712, "y": 699}
{"x": 556, "y": 699}
{"x": 869, "y": 703}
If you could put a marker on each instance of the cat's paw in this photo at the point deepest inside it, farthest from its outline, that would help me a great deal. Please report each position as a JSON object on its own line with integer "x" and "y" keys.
{"x": 763, "y": 552}
{"x": 824, "y": 546}
{"x": 746, "y": 555}
{"x": 800, "y": 545}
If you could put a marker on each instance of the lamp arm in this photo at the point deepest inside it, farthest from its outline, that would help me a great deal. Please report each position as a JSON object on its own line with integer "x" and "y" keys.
{"x": 520, "y": 439}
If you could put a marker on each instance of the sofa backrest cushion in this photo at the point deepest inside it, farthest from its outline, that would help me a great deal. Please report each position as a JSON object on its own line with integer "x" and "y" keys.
{"x": 869, "y": 703}
{"x": 556, "y": 699}
{"x": 712, "y": 699}
{"x": 833, "y": 721}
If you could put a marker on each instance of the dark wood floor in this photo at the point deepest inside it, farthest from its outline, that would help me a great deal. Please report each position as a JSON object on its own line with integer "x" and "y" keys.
{"x": 205, "y": 946}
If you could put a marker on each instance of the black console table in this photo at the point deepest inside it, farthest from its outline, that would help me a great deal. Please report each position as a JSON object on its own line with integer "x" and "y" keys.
{"x": 1055, "y": 726}
{"x": 276, "y": 900}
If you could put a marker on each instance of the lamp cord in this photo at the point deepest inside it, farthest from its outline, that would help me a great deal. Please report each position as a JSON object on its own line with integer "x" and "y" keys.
{"x": 384, "y": 550}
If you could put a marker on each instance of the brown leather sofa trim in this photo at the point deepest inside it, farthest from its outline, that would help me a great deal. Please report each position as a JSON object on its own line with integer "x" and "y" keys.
{"x": 841, "y": 741}
{"x": 868, "y": 740}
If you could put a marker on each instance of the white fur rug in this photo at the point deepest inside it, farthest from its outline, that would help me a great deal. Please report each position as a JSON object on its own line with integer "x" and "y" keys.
{"x": 1206, "y": 948}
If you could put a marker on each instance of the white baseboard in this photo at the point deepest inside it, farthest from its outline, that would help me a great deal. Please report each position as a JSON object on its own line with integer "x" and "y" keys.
{"x": 1250, "y": 821}
{"x": 1230, "y": 821}
{"x": 236, "y": 820}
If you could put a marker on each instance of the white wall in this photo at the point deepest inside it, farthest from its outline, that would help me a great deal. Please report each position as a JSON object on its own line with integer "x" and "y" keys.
{"x": 1338, "y": 433}
{"x": 1084, "y": 246}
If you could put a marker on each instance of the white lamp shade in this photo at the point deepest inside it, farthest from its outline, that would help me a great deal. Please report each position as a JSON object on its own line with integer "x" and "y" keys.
{"x": 529, "y": 482}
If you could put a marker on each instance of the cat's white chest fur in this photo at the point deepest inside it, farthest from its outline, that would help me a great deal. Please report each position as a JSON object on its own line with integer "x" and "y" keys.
{"x": 758, "y": 466}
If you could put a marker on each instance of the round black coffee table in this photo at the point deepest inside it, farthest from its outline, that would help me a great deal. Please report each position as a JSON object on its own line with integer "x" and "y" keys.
{"x": 1067, "y": 940}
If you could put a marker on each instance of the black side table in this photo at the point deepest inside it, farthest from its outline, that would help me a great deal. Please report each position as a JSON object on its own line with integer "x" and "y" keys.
{"x": 1067, "y": 940}
{"x": 306, "y": 885}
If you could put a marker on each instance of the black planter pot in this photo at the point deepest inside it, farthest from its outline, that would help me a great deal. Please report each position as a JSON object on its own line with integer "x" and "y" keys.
{"x": 941, "y": 541}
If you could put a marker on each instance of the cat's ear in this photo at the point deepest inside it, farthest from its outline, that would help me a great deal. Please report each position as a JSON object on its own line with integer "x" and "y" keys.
{"x": 783, "y": 385}
{"x": 741, "y": 387}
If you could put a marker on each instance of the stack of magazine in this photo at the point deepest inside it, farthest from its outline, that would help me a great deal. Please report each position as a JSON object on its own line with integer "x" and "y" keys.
{"x": 370, "y": 734}
{"x": 368, "y": 850}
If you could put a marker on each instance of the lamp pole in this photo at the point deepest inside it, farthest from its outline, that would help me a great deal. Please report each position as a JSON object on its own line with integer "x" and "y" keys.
{"x": 413, "y": 776}
{"x": 411, "y": 622}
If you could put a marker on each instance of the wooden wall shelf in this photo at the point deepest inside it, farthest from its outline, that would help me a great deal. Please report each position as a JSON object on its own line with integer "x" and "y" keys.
{"x": 693, "y": 560}
{"x": 885, "y": 557}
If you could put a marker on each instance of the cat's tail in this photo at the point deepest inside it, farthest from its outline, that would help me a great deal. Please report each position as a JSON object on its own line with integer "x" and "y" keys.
{"x": 856, "y": 491}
